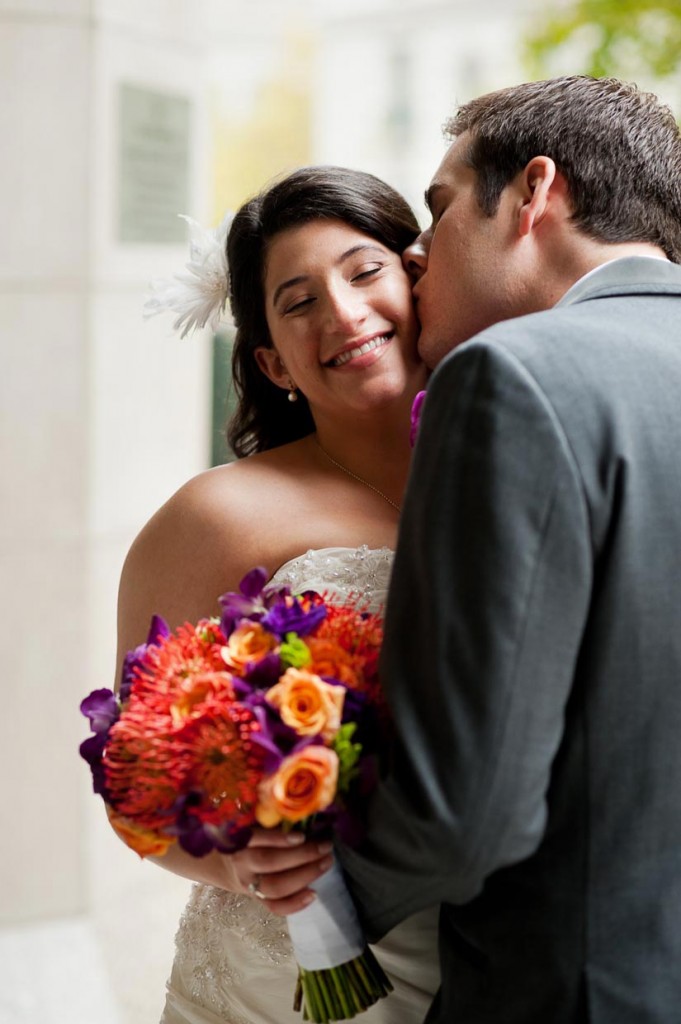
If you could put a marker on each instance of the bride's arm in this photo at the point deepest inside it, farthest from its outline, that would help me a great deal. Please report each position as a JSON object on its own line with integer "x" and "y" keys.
{"x": 199, "y": 545}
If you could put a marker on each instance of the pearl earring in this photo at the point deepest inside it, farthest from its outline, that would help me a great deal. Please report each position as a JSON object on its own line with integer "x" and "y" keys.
{"x": 292, "y": 393}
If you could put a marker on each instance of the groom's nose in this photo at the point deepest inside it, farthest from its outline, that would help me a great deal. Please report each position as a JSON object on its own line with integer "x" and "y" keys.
{"x": 415, "y": 257}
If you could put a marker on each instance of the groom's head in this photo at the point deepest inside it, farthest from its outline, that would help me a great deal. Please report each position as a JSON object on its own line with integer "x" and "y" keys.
{"x": 542, "y": 182}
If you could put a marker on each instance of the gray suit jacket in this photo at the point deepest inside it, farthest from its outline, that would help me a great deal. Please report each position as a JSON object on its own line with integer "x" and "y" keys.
{"x": 533, "y": 663}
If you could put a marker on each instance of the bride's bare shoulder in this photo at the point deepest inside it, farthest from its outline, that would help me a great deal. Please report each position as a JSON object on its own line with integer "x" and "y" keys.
{"x": 223, "y": 513}
{"x": 205, "y": 538}
{"x": 242, "y": 495}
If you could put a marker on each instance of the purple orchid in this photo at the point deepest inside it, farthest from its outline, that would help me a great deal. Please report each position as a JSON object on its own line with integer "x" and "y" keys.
{"x": 158, "y": 631}
{"x": 275, "y": 739}
{"x": 416, "y": 416}
{"x": 198, "y": 838}
{"x": 101, "y": 708}
{"x": 251, "y": 601}
{"x": 92, "y": 751}
{"x": 292, "y": 617}
{"x": 264, "y": 673}
{"x": 354, "y": 703}
{"x": 274, "y": 607}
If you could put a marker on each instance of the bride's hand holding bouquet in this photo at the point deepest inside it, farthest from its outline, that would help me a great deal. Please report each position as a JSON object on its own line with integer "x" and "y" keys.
{"x": 251, "y": 733}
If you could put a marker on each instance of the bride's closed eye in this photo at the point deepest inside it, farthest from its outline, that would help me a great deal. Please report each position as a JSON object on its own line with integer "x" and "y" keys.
{"x": 365, "y": 274}
{"x": 299, "y": 306}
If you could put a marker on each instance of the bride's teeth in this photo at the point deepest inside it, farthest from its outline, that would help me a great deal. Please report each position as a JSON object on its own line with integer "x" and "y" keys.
{"x": 361, "y": 350}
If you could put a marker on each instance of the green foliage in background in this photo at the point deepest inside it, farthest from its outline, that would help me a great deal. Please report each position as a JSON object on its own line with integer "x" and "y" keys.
{"x": 274, "y": 137}
{"x": 629, "y": 39}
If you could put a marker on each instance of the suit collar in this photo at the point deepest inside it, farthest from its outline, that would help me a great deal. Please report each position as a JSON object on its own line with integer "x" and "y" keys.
{"x": 631, "y": 275}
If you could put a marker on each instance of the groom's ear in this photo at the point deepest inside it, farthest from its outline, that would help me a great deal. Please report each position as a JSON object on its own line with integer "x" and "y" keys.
{"x": 541, "y": 183}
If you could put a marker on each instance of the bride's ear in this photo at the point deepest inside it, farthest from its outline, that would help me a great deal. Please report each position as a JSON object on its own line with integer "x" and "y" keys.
{"x": 271, "y": 364}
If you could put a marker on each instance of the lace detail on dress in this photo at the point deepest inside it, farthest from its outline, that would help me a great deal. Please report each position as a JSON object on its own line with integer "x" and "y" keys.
{"x": 341, "y": 573}
{"x": 217, "y": 924}
{"x": 211, "y": 912}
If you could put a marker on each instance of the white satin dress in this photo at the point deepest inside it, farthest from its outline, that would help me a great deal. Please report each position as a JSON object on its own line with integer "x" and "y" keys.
{"x": 234, "y": 962}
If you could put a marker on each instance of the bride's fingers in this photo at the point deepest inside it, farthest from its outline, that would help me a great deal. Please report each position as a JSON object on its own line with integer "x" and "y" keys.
{"x": 275, "y": 837}
{"x": 291, "y": 905}
{"x": 285, "y": 874}
{"x": 272, "y": 860}
{"x": 256, "y": 862}
{"x": 286, "y": 892}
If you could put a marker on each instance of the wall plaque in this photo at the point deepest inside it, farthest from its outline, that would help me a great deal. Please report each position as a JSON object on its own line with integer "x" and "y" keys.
{"x": 154, "y": 165}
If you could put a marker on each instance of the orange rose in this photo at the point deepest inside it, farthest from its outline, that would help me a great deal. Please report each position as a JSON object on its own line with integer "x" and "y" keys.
{"x": 329, "y": 659}
{"x": 142, "y": 840}
{"x": 307, "y": 704}
{"x": 249, "y": 642}
{"x": 304, "y": 784}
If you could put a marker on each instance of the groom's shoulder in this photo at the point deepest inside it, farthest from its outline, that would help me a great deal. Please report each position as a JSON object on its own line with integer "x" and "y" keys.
{"x": 520, "y": 340}
{"x": 578, "y": 335}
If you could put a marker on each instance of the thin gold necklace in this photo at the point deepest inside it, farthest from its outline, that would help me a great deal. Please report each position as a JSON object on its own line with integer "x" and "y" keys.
{"x": 354, "y": 476}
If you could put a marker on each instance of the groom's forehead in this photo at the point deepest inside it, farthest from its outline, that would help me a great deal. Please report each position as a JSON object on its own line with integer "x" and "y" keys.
{"x": 452, "y": 165}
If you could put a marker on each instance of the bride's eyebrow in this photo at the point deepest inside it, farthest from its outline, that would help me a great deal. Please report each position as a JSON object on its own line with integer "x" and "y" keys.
{"x": 362, "y": 247}
{"x": 288, "y": 284}
{"x": 292, "y": 282}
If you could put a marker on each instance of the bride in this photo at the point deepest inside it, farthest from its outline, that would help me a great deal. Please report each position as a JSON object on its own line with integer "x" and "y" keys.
{"x": 326, "y": 369}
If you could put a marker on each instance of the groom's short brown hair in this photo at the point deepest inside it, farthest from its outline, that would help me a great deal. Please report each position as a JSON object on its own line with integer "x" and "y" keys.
{"x": 619, "y": 149}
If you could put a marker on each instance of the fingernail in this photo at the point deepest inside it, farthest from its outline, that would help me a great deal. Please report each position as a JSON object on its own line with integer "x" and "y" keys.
{"x": 295, "y": 838}
{"x": 307, "y": 900}
{"x": 325, "y": 864}
{"x": 324, "y": 848}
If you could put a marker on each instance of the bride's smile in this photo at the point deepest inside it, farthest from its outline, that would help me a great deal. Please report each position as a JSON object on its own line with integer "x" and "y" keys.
{"x": 337, "y": 303}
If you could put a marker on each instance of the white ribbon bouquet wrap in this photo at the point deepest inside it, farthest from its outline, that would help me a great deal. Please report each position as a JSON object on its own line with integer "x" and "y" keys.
{"x": 327, "y": 933}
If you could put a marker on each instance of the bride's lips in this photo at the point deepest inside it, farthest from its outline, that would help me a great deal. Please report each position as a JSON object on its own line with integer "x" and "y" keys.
{"x": 356, "y": 349}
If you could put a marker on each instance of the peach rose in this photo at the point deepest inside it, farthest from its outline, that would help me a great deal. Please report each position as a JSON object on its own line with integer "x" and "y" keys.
{"x": 249, "y": 642}
{"x": 142, "y": 840}
{"x": 307, "y": 704}
{"x": 304, "y": 783}
{"x": 329, "y": 659}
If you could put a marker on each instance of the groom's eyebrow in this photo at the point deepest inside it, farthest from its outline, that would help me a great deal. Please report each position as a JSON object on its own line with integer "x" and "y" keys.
{"x": 430, "y": 193}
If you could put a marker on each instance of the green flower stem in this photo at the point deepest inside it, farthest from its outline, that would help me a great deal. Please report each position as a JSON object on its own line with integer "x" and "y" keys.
{"x": 340, "y": 993}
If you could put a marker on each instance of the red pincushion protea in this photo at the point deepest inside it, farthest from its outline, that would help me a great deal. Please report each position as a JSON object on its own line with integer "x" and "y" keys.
{"x": 188, "y": 652}
{"x": 226, "y": 766}
{"x": 143, "y": 767}
{"x": 182, "y": 731}
{"x": 359, "y": 633}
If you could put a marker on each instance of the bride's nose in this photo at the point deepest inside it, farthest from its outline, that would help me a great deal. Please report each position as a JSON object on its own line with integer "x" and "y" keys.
{"x": 415, "y": 257}
{"x": 346, "y": 312}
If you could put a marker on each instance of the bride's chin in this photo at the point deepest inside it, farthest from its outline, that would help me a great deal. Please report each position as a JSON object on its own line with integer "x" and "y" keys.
{"x": 379, "y": 398}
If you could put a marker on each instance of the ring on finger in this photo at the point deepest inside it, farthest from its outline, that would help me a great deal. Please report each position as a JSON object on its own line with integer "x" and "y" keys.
{"x": 254, "y": 888}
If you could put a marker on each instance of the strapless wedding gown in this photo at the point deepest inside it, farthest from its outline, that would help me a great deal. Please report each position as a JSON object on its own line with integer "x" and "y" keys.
{"x": 234, "y": 962}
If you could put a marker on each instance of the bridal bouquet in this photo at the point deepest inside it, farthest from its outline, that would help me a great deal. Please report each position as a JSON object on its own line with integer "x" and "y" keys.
{"x": 270, "y": 715}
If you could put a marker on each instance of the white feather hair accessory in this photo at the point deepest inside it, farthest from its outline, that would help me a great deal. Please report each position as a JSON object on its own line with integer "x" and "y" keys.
{"x": 200, "y": 294}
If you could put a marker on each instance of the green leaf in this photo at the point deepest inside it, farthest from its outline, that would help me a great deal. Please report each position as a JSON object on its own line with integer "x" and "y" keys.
{"x": 348, "y": 755}
{"x": 294, "y": 652}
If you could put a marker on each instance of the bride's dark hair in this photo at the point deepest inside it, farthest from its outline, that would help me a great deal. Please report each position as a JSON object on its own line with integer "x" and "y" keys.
{"x": 264, "y": 418}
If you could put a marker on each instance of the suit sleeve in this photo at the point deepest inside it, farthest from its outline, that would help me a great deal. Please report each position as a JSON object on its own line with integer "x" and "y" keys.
{"x": 487, "y": 605}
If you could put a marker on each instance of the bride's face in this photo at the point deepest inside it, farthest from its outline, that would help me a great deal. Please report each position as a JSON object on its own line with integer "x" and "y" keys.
{"x": 341, "y": 318}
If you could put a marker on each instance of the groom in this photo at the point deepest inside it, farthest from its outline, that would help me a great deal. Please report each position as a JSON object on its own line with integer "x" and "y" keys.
{"x": 533, "y": 638}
